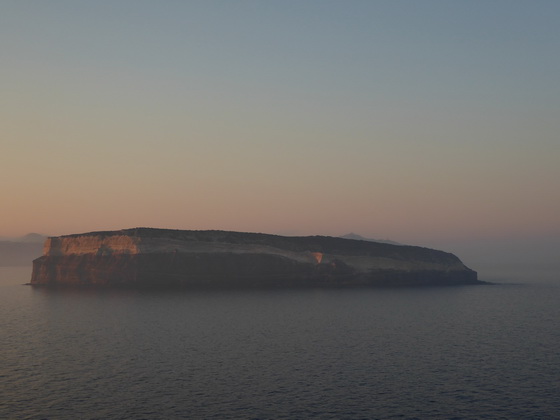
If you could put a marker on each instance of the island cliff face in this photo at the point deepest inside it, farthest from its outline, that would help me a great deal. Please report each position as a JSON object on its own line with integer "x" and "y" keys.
{"x": 160, "y": 258}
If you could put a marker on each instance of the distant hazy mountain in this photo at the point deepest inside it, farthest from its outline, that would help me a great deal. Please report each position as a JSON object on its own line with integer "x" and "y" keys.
{"x": 361, "y": 238}
{"x": 21, "y": 251}
{"x": 32, "y": 237}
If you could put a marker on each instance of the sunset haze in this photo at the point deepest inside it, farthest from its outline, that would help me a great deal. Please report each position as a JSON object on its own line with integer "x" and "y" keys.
{"x": 422, "y": 122}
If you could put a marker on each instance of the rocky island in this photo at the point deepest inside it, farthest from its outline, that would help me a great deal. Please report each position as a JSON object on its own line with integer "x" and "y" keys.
{"x": 160, "y": 258}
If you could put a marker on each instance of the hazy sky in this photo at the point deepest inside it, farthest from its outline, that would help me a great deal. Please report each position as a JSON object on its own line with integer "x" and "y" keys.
{"x": 419, "y": 121}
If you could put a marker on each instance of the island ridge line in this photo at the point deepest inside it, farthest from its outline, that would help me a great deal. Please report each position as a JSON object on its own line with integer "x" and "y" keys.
{"x": 160, "y": 258}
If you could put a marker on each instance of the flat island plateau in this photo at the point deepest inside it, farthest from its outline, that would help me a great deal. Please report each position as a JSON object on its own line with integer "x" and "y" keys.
{"x": 212, "y": 259}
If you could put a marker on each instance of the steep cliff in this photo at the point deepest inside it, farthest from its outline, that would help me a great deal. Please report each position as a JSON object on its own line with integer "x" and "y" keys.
{"x": 144, "y": 257}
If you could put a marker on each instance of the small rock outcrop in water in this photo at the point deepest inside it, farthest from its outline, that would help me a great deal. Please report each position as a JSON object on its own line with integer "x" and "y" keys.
{"x": 145, "y": 257}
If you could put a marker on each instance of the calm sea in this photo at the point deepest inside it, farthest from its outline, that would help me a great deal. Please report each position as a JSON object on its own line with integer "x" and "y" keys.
{"x": 452, "y": 352}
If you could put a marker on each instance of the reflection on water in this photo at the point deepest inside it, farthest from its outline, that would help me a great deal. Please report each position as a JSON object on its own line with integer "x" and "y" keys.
{"x": 465, "y": 352}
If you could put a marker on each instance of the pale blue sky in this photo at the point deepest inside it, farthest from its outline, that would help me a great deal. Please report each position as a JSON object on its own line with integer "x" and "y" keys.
{"x": 420, "y": 121}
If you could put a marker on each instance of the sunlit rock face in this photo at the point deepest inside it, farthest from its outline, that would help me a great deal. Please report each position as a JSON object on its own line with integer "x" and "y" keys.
{"x": 157, "y": 258}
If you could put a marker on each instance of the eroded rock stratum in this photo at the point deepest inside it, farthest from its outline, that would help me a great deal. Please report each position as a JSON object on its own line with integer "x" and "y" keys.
{"x": 159, "y": 258}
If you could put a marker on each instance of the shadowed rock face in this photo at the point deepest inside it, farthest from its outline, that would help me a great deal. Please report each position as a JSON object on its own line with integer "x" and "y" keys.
{"x": 158, "y": 258}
